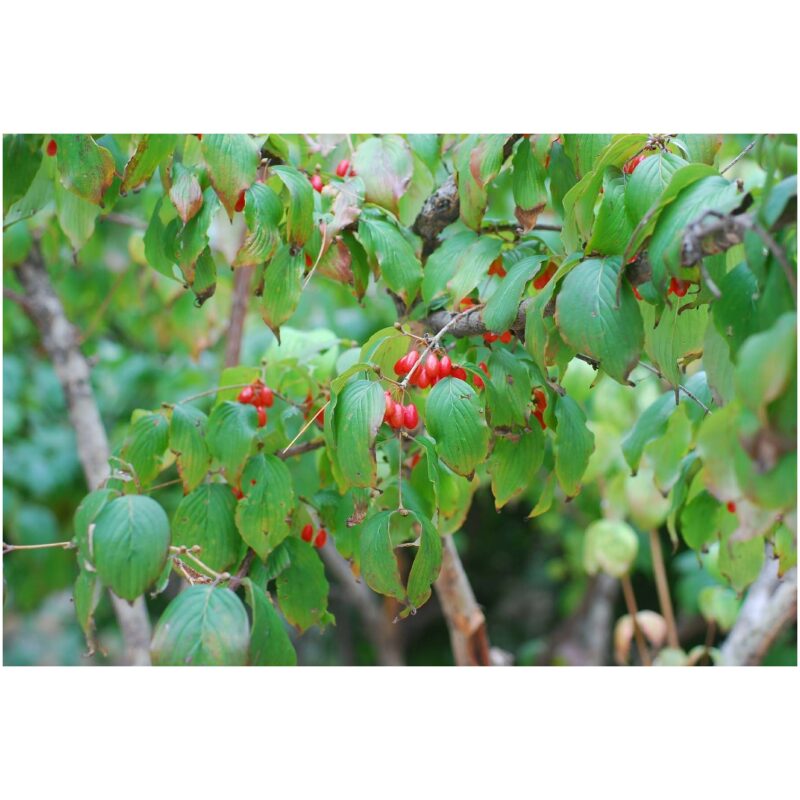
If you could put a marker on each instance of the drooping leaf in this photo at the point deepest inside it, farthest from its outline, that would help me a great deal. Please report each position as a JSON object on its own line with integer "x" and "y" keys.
{"x": 508, "y": 390}
{"x": 426, "y": 566}
{"x": 192, "y": 239}
{"x": 399, "y": 265}
{"x": 472, "y": 266}
{"x": 676, "y": 340}
{"x": 270, "y": 645}
{"x": 455, "y": 420}
{"x": 76, "y": 216}
{"x": 574, "y": 444}
{"x": 151, "y": 150}
{"x": 502, "y": 307}
{"x": 514, "y": 463}
{"x": 358, "y": 415}
{"x": 187, "y": 433}
{"x": 300, "y": 212}
{"x": 159, "y": 246}
{"x": 734, "y": 313}
{"x": 262, "y": 212}
{"x": 24, "y": 152}
{"x": 741, "y": 561}
{"x": 589, "y": 320}
{"x": 146, "y": 445}
{"x": 84, "y": 167}
{"x": 648, "y": 182}
{"x": 262, "y": 515}
{"x": 302, "y": 587}
{"x": 230, "y": 437}
{"x": 528, "y": 179}
{"x": 378, "y": 562}
{"x": 205, "y": 518}
{"x": 385, "y": 164}
{"x": 203, "y": 626}
{"x": 85, "y": 515}
{"x": 185, "y": 192}
{"x": 130, "y": 544}
{"x": 232, "y": 161}
{"x": 283, "y": 285}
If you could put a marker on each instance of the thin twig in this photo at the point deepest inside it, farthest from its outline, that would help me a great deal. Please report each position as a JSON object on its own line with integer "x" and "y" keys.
{"x": 163, "y": 485}
{"x": 319, "y": 255}
{"x": 208, "y": 392}
{"x": 662, "y": 587}
{"x": 681, "y": 387}
{"x": 303, "y": 430}
{"x": 630, "y": 602}
{"x": 741, "y": 155}
{"x": 189, "y": 552}
{"x": 300, "y": 449}
{"x": 241, "y": 573}
{"x": 7, "y": 548}
{"x": 125, "y": 219}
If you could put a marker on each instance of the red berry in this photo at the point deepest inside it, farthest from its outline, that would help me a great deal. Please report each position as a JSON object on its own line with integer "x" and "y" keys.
{"x": 423, "y": 379}
{"x": 445, "y": 366}
{"x": 497, "y": 268}
{"x": 246, "y": 395}
{"x": 237, "y": 493}
{"x": 317, "y": 183}
{"x": 396, "y": 420}
{"x": 432, "y": 365}
{"x": 415, "y": 459}
{"x": 539, "y": 399}
{"x": 199, "y": 137}
{"x": 544, "y": 278}
{"x": 459, "y": 372}
{"x": 267, "y": 397}
{"x": 239, "y": 202}
{"x": 488, "y": 337}
{"x": 307, "y": 534}
{"x": 731, "y": 506}
{"x": 506, "y": 337}
{"x": 262, "y": 416}
{"x": 540, "y": 417}
{"x": 322, "y": 537}
{"x": 479, "y": 384}
{"x": 467, "y": 301}
{"x": 401, "y": 366}
{"x": 678, "y": 287}
{"x": 636, "y": 293}
{"x": 485, "y": 369}
{"x": 631, "y": 165}
{"x": 389, "y": 406}
{"x": 320, "y": 417}
{"x": 52, "y": 147}
{"x": 410, "y": 416}
{"x": 309, "y": 262}
{"x": 342, "y": 167}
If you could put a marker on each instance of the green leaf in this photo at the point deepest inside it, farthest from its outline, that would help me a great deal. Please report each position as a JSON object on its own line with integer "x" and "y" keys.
{"x": 270, "y": 645}
{"x": 263, "y": 513}
{"x": 300, "y": 213}
{"x": 385, "y": 165}
{"x": 765, "y": 364}
{"x": 700, "y": 520}
{"x": 545, "y": 500}
{"x": 358, "y": 415}
{"x": 378, "y": 562}
{"x": 204, "y": 626}
{"x": 384, "y": 348}
{"x": 85, "y": 168}
{"x": 584, "y": 149}
{"x": 677, "y": 340}
{"x": 283, "y": 285}
{"x": 740, "y": 561}
{"x": 508, "y": 390}
{"x": 232, "y": 161}
{"x": 700, "y": 147}
{"x": 735, "y": 312}
{"x": 399, "y": 265}
{"x": 574, "y": 444}
{"x": 187, "y": 433}
{"x": 419, "y": 189}
{"x": 86, "y": 595}
{"x": 664, "y": 251}
{"x": 648, "y": 182}
{"x": 130, "y": 544}
{"x": 76, "y": 217}
{"x": 185, "y": 192}
{"x": 230, "y": 437}
{"x": 85, "y": 515}
{"x": 528, "y": 179}
{"x": 426, "y": 566}
{"x": 514, "y": 463}
{"x": 205, "y": 518}
{"x": 39, "y": 194}
{"x": 610, "y": 546}
{"x": 192, "y": 240}
{"x": 590, "y": 322}
{"x": 473, "y": 265}
{"x": 454, "y": 419}
{"x": 443, "y": 263}
{"x": 24, "y": 152}
{"x": 146, "y": 445}
{"x": 719, "y": 605}
{"x": 612, "y": 228}
{"x": 151, "y": 150}
{"x": 262, "y": 212}
{"x": 302, "y": 587}
{"x": 718, "y": 366}
{"x": 205, "y": 278}
{"x": 502, "y": 307}
{"x": 158, "y": 249}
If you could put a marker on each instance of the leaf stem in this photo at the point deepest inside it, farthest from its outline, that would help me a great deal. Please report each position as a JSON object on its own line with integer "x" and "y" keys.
{"x": 7, "y": 548}
{"x": 662, "y": 587}
{"x": 630, "y": 602}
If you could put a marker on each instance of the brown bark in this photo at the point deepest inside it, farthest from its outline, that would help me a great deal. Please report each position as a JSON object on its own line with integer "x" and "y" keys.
{"x": 241, "y": 294}
{"x": 60, "y": 339}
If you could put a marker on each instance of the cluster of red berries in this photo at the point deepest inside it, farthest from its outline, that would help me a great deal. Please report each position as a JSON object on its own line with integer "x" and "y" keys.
{"x": 260, "y": 396}
{"x": 497, "y": 268}
{"x": 678, "y": 287}
{"x": 399, "y": 416}
{"x": 540, "y": 281}
{"x": 432, "y": 371}
{"x": 539, "y": 405}
{"x": 631, "y": 165}
{"x": 307, "y": 535}
{"x": 489, "y": 337}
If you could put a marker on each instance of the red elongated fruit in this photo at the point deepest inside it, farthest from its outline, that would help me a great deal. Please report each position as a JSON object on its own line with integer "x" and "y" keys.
{"x": 237, "y": 493}
{"x": 317, "y": 183}
{"x": 389, "y": 406}
{"x": 539, "y": 399}
{"x": 489, "y": 337}
{"x": 262, "y": 416}
{"x": 246, "y": 395}
{"x": 396, "y": 420}
{"x": 485, "y": 369}
{"x": 423, "y": 378}
{"x": 401, "y": 366}
{"x": 52, "y": 147}
{"x": 731, "y": 506}
{"x": 307, "y": 534}
{"x": 239, "y": 202}
{"x": 538, "y": 414}
{"x": 342, "y": 167}
{"x": 631, "y": 165}
{"x": 322, "y": 537}
{"x": 415, "y": 459}
{"x": 544, "y": 278}
{"x": 636, "y": 293}
{"x": 445, "y": 366}
{"x": 479, "y": 384}
{"x": 320, "y": 417}
{"x": 678, "y": 287}
{"x": 459, "y": 372}
{"x": 309, "y": 262}
{"x": 506, "y": 337}
{"x": 267, "y": 397}
{"x": 410, "y": 416}
{"x": 432, "y": 366}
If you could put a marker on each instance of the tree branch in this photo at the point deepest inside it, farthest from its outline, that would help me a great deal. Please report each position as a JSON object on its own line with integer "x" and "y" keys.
{"x": 241, "y": 294}
{"x": 770, "y": 605}
{"x": 465, "y": 620}
{"x": 60, "y": 339}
